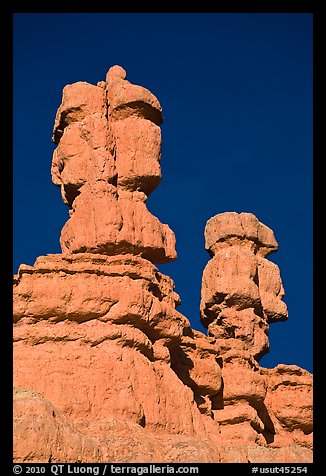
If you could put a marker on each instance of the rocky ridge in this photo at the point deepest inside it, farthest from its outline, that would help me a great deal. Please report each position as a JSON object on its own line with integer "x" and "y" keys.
{"x": 105, "y": 367}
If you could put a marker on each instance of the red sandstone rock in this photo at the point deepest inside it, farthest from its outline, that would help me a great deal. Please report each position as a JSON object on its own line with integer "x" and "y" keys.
{"x": 42, "y": 434}
{"x": 231, "y": 227}
{"x": 230, "y": 276}
{"x": 241, "y": 290}
{"x": 290, "y": 400}
{"x": 84, "y": 154}
{"x": 79, "y": 100}
{"x": 126, "y": 99}
{"x": 115, "y": 316}
{"x": 271, "y": 291}
{"x": 107, "y": 161}
{"x": 119, "y": 289}
{"x": 110, "y": 313}
{"x": 116, "y": 222}
{"x": 195, "y": 362}
{"x": 105, "y": 367}
{"x": 138, "y": 153}
{"x": 241, "y": 294}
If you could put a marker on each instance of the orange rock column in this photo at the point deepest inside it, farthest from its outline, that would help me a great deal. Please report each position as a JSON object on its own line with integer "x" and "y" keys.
{"x": 241, "y": 294}
{"x": 107, "y": 162}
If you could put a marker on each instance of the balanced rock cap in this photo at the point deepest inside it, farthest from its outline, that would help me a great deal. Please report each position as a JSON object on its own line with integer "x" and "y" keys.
{"x": 244, "y": 226}
{"x": 124, "y": 96}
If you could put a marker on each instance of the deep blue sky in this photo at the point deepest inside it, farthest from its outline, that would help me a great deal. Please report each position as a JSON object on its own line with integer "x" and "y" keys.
{"x": 236, "y": 92}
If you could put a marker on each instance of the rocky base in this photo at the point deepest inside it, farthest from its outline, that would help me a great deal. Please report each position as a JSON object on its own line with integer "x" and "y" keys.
{"x": 52, "y": 438}
{"x": 106, "y": 369}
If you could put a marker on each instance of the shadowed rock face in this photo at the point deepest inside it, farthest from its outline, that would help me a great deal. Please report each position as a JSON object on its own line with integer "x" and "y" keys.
{"x": 105, "y": 367}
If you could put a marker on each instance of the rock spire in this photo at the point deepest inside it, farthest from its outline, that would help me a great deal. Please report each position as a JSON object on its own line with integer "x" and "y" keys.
{"x": 107, "y": 162}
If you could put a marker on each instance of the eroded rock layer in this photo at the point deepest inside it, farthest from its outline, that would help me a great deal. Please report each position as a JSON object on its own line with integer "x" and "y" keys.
{"x": 95, "y": 335}
{"x": 105, "y": 367}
